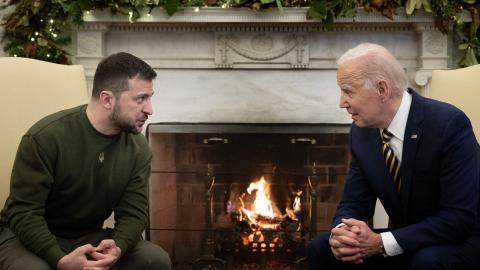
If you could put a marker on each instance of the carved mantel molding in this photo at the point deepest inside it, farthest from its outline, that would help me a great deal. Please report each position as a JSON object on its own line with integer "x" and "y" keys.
{"x": 216, "y": 38}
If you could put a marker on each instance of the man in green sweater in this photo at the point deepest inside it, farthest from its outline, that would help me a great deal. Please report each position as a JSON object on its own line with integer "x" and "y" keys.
{"x": 73, "y": 168}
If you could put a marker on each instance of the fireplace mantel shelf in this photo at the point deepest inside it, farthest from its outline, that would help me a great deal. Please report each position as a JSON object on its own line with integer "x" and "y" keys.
{"x": 245, "y": 15}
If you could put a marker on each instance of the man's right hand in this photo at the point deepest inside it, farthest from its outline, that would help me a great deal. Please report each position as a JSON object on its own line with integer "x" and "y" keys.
{"x": 76, "y": 259}
{"x": 107, "y": 253}
{"x": 344, "y": 244}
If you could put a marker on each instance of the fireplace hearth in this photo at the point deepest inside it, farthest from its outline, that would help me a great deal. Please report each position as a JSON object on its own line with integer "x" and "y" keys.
{"x": 243, "y": 196}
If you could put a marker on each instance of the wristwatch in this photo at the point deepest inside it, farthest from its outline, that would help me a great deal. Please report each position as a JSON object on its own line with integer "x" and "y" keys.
{"x": 382, "y": 249}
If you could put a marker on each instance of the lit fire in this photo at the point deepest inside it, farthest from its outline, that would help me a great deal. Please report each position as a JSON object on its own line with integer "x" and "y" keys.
{"x": 262, "y": 215}
{"x": 297, "y": 207}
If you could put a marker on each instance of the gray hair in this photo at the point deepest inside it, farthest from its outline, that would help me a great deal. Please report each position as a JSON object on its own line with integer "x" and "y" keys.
{"x": 377, "y": 64}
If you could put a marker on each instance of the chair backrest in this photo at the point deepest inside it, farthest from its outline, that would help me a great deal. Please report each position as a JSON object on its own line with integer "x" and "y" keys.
{"x": 31, "y": 89}
{"x": 460, "y": 87}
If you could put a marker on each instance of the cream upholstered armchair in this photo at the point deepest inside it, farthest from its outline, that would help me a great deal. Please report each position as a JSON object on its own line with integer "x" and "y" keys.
{"x": 31, "y": 89}
{"x": 460, "y": 87}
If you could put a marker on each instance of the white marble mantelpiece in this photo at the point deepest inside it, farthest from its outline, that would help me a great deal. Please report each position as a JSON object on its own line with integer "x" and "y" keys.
{"x": 237, "y": 65}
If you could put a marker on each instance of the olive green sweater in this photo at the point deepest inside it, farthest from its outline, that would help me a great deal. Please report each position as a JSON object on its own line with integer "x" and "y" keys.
{"x": 67, "y": 179}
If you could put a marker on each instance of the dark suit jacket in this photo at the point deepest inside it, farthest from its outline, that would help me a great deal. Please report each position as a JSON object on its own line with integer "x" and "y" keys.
{"x": 439, "y": 199}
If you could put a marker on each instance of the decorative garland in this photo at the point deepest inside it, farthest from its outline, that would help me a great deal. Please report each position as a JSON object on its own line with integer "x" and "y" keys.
{"x": 41, "y": 29}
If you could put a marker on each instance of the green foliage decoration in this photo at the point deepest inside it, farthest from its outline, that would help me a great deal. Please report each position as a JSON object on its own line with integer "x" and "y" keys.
{"x": 41, "y": 29}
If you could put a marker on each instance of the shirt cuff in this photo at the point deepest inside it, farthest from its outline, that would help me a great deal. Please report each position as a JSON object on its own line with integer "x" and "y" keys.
{"x": 392, "y": 248}
{"x": 338, "y": 226}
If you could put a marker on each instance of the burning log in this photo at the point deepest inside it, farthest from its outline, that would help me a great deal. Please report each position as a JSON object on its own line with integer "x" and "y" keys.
{"x": 263, "y": 237}
{"x": 267, "y": 219}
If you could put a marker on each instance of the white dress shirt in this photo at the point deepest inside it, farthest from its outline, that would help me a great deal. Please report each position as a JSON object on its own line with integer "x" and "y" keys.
{"x": 397, "y": 128}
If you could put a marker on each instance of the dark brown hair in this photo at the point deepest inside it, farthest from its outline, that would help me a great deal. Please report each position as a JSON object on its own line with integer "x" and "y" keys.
{"x": 114, "y": 71}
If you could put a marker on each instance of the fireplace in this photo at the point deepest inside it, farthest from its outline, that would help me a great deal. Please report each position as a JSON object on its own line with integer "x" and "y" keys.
{"x": 243, "y": 196}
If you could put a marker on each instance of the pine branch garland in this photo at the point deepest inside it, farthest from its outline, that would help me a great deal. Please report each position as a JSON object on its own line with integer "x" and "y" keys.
{"x": 41, "y": 29}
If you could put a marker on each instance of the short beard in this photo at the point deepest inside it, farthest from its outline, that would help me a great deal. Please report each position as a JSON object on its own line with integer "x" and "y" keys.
{"x": 120, "y": 123}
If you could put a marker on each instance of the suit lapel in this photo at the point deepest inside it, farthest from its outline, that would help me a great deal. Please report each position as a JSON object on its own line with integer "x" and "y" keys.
{"x": 413, "y": 134}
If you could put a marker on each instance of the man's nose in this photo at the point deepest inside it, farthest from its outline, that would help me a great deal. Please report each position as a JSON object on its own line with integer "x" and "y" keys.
{"x": 342, "y": 102}
{"x": 148, "y": 108}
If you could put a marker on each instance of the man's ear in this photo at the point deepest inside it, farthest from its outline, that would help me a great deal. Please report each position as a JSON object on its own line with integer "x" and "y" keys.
{"x": 383, "y": 90}
{"x": 107, "y": 99}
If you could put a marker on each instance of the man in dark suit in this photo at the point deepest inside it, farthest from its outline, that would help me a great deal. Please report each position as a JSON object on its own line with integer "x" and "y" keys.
{"x": 419, "y": 157}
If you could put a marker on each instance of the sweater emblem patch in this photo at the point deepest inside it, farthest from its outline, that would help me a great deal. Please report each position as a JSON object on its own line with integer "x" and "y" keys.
{"x": 101, "y": 157}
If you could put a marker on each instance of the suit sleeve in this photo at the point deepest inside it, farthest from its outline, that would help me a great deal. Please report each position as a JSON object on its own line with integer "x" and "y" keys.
{"x": 459, "y": 191}
{"x": 358, "y": 200}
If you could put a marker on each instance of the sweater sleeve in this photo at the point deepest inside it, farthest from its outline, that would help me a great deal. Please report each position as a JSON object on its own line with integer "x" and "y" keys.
{"x": 131, "y": 214}
{"x": 30, "y": 185}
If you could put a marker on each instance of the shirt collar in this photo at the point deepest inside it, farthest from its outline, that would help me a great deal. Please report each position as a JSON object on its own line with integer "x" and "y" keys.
{"x": 399, "y": 123}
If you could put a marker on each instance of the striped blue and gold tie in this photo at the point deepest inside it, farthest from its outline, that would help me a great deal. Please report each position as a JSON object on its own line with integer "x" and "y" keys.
{"x": 391, "y": 160}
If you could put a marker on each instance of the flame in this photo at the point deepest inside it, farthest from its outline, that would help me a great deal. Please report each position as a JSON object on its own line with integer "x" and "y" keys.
{"x": 297, "y": 207}
{"x": 262, "y": 214}
{"x": 262, "y": 204}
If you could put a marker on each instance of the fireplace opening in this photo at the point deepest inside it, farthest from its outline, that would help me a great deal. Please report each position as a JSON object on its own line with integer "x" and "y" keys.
{"x": 243, "y": 196}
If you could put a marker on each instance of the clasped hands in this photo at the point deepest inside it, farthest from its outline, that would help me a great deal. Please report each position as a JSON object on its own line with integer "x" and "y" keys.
{"x": 88, "y": 257}
{"x": 354, "y": 241}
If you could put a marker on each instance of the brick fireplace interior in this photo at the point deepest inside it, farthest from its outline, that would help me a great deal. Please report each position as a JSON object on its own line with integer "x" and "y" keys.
{"x": 198, "y": 191}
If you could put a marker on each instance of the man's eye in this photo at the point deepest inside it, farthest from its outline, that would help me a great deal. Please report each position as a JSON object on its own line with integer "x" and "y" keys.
{"x": 348, "y": 93}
